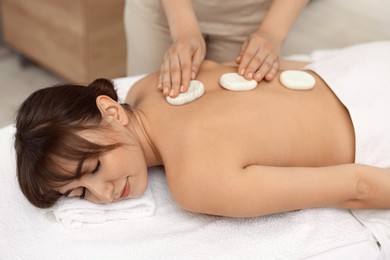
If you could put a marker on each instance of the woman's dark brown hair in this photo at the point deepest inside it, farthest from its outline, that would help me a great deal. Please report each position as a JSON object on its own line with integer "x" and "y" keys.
{"x": 47, "y": 127}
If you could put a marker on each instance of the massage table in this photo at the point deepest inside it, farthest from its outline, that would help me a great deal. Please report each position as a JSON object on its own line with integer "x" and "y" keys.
{"x": 169, "y": 232}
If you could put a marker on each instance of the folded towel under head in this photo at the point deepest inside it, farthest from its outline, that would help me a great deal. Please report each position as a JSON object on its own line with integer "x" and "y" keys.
{"x": 74, "y": 212}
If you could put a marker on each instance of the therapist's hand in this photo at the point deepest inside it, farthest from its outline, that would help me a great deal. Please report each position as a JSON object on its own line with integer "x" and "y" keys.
{"x": 259, "y": 57}
{"x": 181, "y": 64}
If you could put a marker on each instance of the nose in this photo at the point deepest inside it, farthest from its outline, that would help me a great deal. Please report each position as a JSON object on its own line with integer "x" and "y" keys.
{"x": 102, "y": 190}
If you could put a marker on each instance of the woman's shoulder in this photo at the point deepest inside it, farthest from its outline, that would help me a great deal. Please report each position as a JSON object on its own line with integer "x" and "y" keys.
{"x": 144, "y": 86}
{"x": 147, "y": 86}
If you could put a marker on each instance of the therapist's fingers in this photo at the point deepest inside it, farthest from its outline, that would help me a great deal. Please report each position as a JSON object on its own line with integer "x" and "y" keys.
{"x": 265, "y": 66}
{"x": 175, "y": 73}
{"x": 259, "y": 56}
{"x": 196, "y": 62}
{"x": 272, "y": 72}
{"x": 181, "y": 64}
{"x": 243, "y": 47}
{"x": 248, "y": 55}
{"x": 186, "y": 69}
{"x": 258, "y": 65}
{"x": 160, "y": 78}
{"x": 165, "y": 76}
{"x": 190, "y": 61}
{"x": 170, "y": 73}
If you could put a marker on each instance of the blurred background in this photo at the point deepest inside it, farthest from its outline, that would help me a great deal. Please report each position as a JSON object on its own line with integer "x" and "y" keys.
{"x": 45, "y": 42}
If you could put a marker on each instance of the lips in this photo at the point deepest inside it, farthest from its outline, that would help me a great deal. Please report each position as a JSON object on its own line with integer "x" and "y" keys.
{"x": 126, "y": 190}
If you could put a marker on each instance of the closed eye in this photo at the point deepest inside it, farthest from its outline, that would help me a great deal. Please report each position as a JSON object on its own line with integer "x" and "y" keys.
{"x": 93, "y": 171}
{"x": 97, "y": 167}
{"x": 66, "y": 194}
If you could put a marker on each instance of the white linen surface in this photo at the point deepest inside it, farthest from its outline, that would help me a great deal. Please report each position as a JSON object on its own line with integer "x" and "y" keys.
{"x": 171, "y": 233}
{"x": 368, "y": 104}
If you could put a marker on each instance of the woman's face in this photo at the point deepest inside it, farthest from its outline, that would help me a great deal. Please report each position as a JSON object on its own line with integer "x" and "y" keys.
{"x": 118, "y": 174}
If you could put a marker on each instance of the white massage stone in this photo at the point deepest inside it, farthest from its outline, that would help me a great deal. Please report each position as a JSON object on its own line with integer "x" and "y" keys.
{"x": 236, "y": 82}
{"x": 297, "y": 79}
{"x": 195, "y": 91}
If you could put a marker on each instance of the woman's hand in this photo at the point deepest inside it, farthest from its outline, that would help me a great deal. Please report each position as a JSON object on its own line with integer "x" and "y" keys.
{"x": 259, "y": 57}
{"x": 181, "y": 64}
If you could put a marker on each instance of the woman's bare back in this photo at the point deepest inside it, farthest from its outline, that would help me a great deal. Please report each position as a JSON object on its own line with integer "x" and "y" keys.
{"x": 209, "y": 146}
{"x": 270, "y": 125}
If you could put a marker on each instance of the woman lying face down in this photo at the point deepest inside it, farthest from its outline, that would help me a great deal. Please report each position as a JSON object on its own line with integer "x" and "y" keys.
{"x": 228, "y": 153}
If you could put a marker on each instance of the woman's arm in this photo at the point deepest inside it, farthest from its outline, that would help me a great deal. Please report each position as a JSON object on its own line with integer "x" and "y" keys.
{"x": 181, "y": 18}
{"x": 280, "y": 18}
{"x": 259, "y": 55}
{"x": 260, "y": 190}
{"x": 182, "y": 60}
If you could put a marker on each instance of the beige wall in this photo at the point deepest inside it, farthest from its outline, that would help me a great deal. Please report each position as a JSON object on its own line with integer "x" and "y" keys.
{"x": 326, "y": 24}
{"x": 1, "y": 27}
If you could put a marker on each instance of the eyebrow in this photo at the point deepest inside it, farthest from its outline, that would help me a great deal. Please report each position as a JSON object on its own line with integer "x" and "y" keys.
{"x": 78, "y": 175}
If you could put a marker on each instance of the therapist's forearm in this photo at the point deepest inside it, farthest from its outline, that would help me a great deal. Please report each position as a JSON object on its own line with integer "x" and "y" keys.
{"x": 280, "y": 18}
{"x": 181, "y": 18}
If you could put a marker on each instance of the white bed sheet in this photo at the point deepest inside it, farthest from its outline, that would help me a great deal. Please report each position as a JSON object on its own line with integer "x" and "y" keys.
{"x": 317, "y": 234}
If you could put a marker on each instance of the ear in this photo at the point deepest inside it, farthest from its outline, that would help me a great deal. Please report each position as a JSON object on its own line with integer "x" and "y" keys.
{"x": 111, "y": 110}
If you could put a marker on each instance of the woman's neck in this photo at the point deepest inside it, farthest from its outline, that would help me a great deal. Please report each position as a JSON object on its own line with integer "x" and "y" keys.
{"x": 152, "y": 156}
